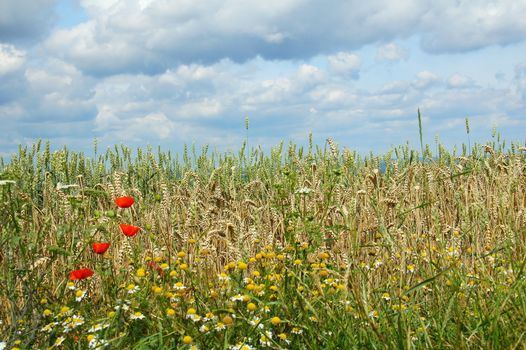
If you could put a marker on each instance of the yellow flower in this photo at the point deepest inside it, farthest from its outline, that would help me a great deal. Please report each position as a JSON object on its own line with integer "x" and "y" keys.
{"x": 187, "y": 339}
{"x": 141, "y": 273}
{"x": 297, "y": 262}
{"x": 170, "y": 312}
{"x": 228, "y": 320}
{"x": 282, "y": 336}
{"x": 323, "y": 255}
{"x": 191, "y": 311}
{"x": 191, "y": 241}
{"x": 90, "y": 337}
{"x": 242, "y": 265}
{"x": 251, "y": 307}
{"x": 157, "y": 290}
{"x": 47, "y": 312}
{"x": 256, "y": 273}
{"x": 173, "y": 273}
{"x": 43, "y": 301}
{"x": 181, "y": 254}
{"x": 183, "y": 266}
{"x": 275, "y": 320}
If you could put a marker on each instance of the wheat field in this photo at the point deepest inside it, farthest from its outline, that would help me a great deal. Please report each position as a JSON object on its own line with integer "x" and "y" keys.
{"x": 311, "y": 247}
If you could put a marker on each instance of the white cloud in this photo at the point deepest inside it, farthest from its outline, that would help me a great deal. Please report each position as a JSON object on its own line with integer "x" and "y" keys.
{"x": 425, "y": 79}
{"x": 456, "y": 81}
{"x": 345, "y": 63}
{"x": 154, "y": 123}
{"x": 11, "y": 58}
{"x": 309, "y": 74}
{"x": 391, "y": 52}
{"x": 151, "y": 36}
{"x": 457, "y": 26}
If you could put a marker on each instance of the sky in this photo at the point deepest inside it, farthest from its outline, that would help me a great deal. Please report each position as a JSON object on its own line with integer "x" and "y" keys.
{"x": 174, "y": 72}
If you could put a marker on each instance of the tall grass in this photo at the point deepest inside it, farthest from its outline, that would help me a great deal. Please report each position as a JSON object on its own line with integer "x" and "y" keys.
{"x": 396, "y": 251}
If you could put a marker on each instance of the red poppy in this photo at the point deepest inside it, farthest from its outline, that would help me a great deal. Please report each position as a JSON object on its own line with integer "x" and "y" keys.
{"x": 80, "y": 274}
{"x": 100, "y": 248}
{"x": 124, "y": 202}
{"x": 129, "y": 230}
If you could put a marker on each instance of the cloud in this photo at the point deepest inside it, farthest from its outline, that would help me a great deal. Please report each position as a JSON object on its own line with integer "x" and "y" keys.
{"x": 425, "y": 79}
{"x": 459, "y": 26}
{"x": 11, "y": 58}
{"x": 25, "y": 20}
{"x": 153, "y": 126}
{"x": 138, "y": 36}
{"x": 458, "y": 81}
{"x": 345, "y": 63}
{"x": 12, "y": 84}
{"x": 143, "y": 71}
{"x": 391, "y": 52}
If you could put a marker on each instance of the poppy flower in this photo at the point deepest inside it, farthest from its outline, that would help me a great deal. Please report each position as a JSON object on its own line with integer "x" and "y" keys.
{"x": 100, "y": 248}
{"x": 80, "y": 274}
{"x": 124, "y": 202}
{"x": 129, "y": 230}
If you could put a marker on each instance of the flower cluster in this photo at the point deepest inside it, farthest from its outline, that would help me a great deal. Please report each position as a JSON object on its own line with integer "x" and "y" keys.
{"x": 101, "y": 247}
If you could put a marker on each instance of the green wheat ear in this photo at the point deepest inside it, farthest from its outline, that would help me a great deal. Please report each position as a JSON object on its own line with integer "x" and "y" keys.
{"x": 420, "y": 132}
{"x": 246, "y": 122}
{"x": 467, "y": 131}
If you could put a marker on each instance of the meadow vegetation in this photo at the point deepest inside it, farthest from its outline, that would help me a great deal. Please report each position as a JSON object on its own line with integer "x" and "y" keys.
{"x": 301, "y": 247}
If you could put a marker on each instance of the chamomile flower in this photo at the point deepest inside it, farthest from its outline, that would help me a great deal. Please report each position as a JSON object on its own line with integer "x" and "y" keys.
{"x": 209, "y": 317}
{"x": 265, "y": 339}
{"x": 179, "y": 286}
{"x": 98, "y": 327}
{"x": 237, "y": 297}
{"x": 137, "y": 316}
{"x": 220, "y": 326}
{"x": 58, "y": 341}
{"x": 80, "y": 294}
{"x": 49, "y": 327}
{"x": 296, "y": 330}
{"x": 132, "y": 288}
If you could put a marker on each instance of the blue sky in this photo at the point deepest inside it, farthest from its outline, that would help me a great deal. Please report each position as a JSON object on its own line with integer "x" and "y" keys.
{"x": 166, "y": 72}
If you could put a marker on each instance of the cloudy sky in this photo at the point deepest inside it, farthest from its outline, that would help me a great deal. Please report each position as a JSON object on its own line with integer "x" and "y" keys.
{"x": 169, "y": 72}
